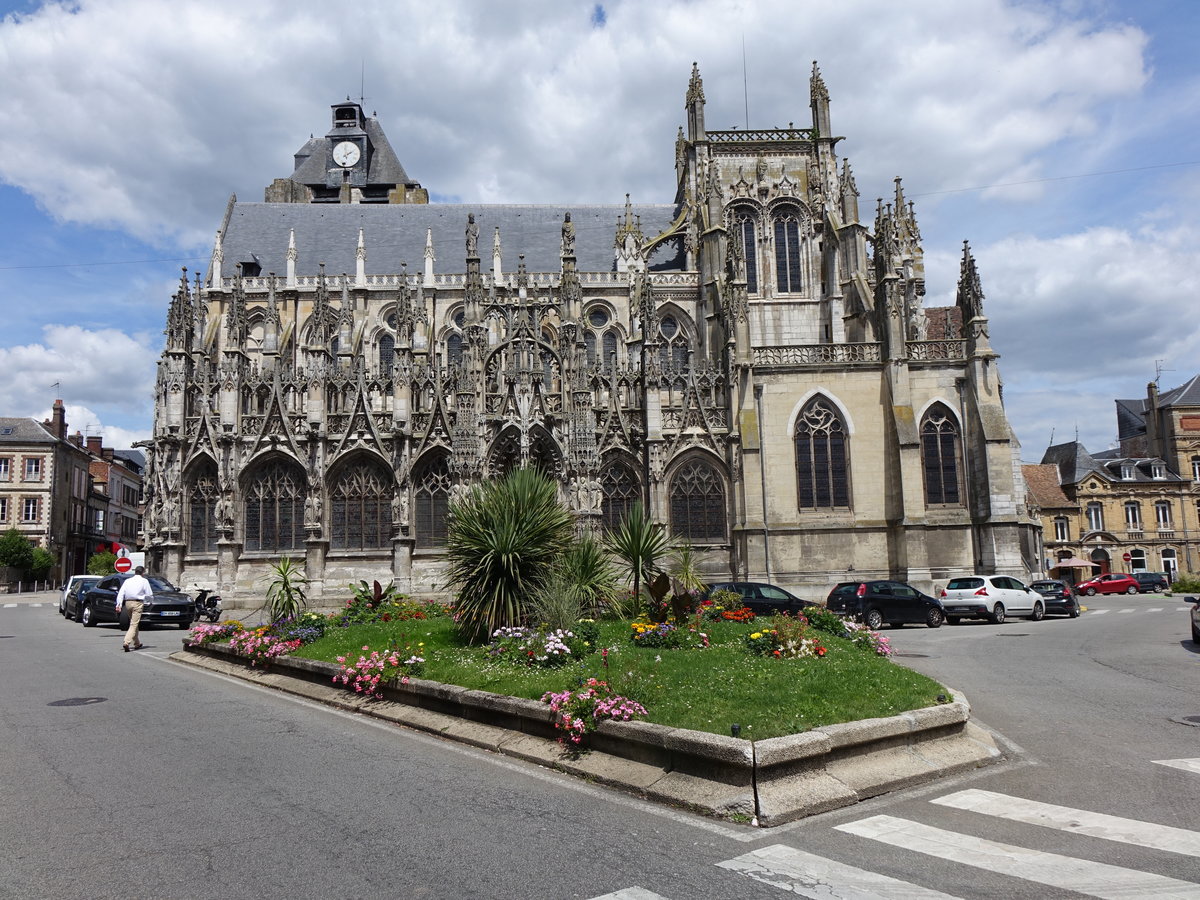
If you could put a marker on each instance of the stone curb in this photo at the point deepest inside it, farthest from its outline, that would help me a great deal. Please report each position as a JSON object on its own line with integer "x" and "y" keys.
{"x": 770, "y": 782}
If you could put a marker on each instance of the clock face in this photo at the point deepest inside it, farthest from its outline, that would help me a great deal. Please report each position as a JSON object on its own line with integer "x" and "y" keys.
{"x": 346, "y": 154}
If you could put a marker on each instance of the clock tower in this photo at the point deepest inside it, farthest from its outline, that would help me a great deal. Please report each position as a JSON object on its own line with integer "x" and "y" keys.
{"x": 349, "y": 148}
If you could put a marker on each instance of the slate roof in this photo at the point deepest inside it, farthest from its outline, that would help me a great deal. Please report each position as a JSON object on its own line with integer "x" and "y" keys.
{"x": 385, "y": 165}
{"x": 1187, "y": 394}
{"x": 1142, "y": 468}
{"x": 1131, "y": 418}
{"x": 24, "y": 431}
{"x": 395, "y": 233}
{"x": 135, "y": 457}
{"x": 1072, "y": 459}
{"x": 1043, "y": 485}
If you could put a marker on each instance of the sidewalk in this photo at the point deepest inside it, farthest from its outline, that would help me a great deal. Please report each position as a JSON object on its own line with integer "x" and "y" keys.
{"x": 31, "y": 597}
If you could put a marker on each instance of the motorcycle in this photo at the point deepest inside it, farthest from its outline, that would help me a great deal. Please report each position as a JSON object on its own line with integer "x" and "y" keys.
{"x": 208, "y": 605}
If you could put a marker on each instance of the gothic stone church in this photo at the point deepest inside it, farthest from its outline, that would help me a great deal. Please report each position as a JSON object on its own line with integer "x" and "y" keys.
{"x": 752, "y": 361}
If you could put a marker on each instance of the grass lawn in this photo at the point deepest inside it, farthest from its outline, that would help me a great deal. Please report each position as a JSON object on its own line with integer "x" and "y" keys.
{"x": 706, "y": 690}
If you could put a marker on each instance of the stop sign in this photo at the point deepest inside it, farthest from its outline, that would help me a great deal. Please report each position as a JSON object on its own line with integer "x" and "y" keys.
{"x": 123, "y": 564}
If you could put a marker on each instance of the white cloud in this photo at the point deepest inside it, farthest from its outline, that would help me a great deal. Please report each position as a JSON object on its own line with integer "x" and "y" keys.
{"x": 104, "y": 370}
{"x": 168, "y": 113}
{"x": 1082, "y": 319}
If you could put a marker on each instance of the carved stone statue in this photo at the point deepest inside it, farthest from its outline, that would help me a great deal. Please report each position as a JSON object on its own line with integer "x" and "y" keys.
{"x": 400, "y": 508}
{"x": 170, "y": 510}
{"x": 224, "y": 511}
{"x": 472, "y": 236}
{"x": 312, "y": 511}
{"x": 568, "y": 236}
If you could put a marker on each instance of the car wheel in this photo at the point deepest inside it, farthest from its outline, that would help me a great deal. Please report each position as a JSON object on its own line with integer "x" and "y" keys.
{"x": 78, "y": 613}
{"x": 873, "y": 619}
{"x": 184, "y": 626}
{"x": 934, "y": 618}
{"x": 953, "y": 620}
{"x": 87, "y": 616}
{"x": 1196, "y": 636}
{"x": 1038, "y": 612}
{"x": 997, "y": 615}
{"x": 123, "y": 620}
{"x": 1091, "y": 592}
{"x": 1132, "y": 590}
{"x": 1074, "y": 613}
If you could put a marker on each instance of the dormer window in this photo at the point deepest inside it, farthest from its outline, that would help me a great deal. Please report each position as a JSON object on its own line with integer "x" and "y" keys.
{"x": 1126, "y": 472}
{"x": 1158, "y": 470}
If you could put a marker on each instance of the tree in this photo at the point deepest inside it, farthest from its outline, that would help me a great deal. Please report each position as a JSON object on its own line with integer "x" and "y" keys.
{"x": 503, "y": 543}
{"x": 42, "y": 562}
{"x": 101, "y": 563}
{"x": 15, "y": 550}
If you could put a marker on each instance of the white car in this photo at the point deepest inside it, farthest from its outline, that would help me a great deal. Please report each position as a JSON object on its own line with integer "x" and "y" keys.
{"x": 71, "y": 582}
{"x": 991, "y": 597}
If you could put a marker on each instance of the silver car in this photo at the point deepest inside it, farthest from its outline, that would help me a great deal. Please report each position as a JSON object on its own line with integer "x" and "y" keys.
{"x": 991, "y": 597}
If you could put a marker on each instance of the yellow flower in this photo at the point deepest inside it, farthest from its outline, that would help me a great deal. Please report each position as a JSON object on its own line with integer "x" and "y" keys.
{"x": 756, "y": 636}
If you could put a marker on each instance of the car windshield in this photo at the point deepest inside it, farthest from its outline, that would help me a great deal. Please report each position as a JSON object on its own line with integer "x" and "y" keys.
{"x": 1046, "y": 585}
{"x": 962, "y": 584}
{"x": 160, "y": 584}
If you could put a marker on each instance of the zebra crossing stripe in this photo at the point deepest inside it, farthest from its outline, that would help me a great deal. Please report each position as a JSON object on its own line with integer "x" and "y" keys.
{"x": 1076, "y": 821}
{"x": 1188, "y": 765}
{"x": 1097, "y": 612}
{"x": 1154, "y": 609}
{"x": 1094, "y": 879}
{"x": 818, "y": 878}
{"x": 633, "y": 893}
{"x": 1121, "y": 611}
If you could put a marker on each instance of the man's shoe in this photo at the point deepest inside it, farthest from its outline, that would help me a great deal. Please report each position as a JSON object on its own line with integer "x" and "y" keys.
{"x": 137, "y": 646}
{"x": 125, "y": 647}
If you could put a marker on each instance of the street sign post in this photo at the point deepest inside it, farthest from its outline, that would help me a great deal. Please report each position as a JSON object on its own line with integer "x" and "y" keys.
{"x": 123, "y": 564}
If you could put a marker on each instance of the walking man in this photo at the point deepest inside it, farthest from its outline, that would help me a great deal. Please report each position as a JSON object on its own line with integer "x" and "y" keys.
{"x": 134, "y": 590}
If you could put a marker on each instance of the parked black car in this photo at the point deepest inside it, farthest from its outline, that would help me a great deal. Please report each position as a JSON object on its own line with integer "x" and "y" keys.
{"x": 73, "y": 602}
{"x": 1059, "y": 596}
{"x": 764, "y": 599}
{"x": 168, "y": 606}
{"x": 893, "y": 602}
{"x": 1151, "y": 581}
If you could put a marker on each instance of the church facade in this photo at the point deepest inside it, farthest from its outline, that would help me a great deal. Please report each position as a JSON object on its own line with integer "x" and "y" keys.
{"x": 751, "y": 361}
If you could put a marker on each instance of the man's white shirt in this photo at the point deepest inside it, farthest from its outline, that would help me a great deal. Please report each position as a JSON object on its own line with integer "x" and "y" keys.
{"x": 134, "y": 588}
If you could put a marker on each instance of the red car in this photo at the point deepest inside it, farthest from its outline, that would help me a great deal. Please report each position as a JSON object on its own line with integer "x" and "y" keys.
{"x": 1108, "y": 584}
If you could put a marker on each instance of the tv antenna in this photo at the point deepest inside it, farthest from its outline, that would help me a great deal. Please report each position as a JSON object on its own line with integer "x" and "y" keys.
{"x": 1158, "y": 370}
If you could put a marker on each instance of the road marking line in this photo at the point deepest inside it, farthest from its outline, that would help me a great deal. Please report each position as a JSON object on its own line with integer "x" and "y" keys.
{"x": 818, "y": 878}
{"x": 1083, "y": 876}
{"x": 1099, "y": 612}
{"x": 9, "y": 605}
{"x": 1188, "y": 765}
{"x": 1075, "y": 821}
{"x": 633, "y": 893}
{"x": 1154, "y": 609}
{"x": 1119, "y": 611}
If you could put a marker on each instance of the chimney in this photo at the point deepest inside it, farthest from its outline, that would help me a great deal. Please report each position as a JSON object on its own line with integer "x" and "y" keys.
{"x": 77, "y": 439}
{"x": 58, "y": 426}
{"x": 107, "y": 453}
{"x": 94, "y": 443}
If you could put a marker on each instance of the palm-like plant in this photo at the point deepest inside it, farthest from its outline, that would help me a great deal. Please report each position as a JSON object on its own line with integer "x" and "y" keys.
{"x": 583, "y": 584}
{"x": 286, "y": 597}
{"x": 640, "y": 545}
{"x": 503, "y": 542}
{"x": 687, "y": 581}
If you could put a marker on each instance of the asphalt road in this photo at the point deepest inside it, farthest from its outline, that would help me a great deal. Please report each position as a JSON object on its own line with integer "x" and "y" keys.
{"x": 128, "y": 775}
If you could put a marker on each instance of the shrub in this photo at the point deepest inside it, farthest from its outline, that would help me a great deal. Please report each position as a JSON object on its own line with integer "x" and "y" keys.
{"x": 503, "y": 543}
{"x": 578, "y": 712}
{"x": 16, "y": 550}
{"x": 667, "y": 636}
{"x": 101, "y": 563}
{"x": 787, "y": 638}
{"x": 1186, "y": 583}
{"x": 858, "y": 635}
{"x": 640, "y": 545}
{"x": 543, "y": 648}
{"x": 374, "y": 667}
{"x": 42, "y": 562}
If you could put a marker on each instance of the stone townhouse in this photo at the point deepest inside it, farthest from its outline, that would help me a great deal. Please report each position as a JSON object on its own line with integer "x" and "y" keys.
{"x": 751, "y": 359}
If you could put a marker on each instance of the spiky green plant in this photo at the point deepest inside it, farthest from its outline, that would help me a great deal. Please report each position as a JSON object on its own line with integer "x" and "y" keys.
{"x": 640, "y": 545}
{"x": 286, "y": 597}
{"x": 687, "y": 580}
{"x": 502, "y": 544}
{"x": 583, "y": 585}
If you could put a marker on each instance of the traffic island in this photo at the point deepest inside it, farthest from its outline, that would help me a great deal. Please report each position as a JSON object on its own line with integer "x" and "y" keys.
{"x": 769, "y": 781}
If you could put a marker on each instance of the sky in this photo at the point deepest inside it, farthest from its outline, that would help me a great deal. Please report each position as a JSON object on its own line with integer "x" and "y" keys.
{"x": 1062, "y": 139}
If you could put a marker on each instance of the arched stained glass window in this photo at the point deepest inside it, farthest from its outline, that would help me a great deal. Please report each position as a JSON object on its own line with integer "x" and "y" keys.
{"x": 940, "y": 453}
{"x": 431, "y": 500}
{"x": 787, "y": 253}
{"x": 589, "y": 343}
{"x": 202, "y": 503}
{"x": 360, "y": 508}
{"x": 621, "y": 489}
{"x": 454, "y": 351}
{"x": 672, "y": 345}
{"x": 745, "y": 230}
{"x": 698, "y": 510}
{"x": 387, "y": 354}
{"x": 822, "y": 457}
{"x": 275, "y": 508}
{"x": 610, "y": 350}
